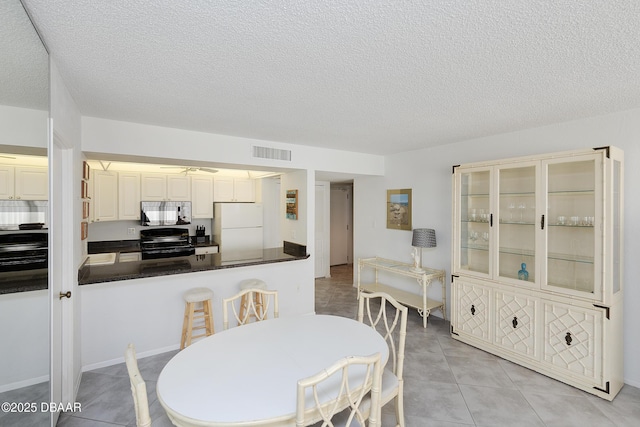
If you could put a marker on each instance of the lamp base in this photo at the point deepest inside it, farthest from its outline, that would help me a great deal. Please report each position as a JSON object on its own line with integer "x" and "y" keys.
{"x": 417, "y": 270}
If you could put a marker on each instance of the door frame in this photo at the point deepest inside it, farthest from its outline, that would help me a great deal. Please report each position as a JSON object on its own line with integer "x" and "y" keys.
{"x": 62, "y": 279}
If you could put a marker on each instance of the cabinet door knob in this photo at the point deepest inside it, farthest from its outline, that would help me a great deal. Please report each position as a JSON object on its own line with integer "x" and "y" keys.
{"x": 514, "y": 322}
{"x": 65, "y": 294}
{"x": 473, "y": 310}
{"x": 568, "y": 338}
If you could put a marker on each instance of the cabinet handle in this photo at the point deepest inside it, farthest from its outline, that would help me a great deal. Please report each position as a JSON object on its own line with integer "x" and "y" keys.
{"x": 490, "y": 220}
{"x": 568, "y": 338}
{"x": 473, "y": 310}
{"x": 65, "y": 294}
{"x": 514, "y": 322}
{"x": 542, "y": 223}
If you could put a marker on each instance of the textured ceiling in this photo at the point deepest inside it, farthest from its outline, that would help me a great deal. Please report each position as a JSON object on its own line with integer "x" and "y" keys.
{"x": 24, "y": 68}
{"x": 368, "y": 76}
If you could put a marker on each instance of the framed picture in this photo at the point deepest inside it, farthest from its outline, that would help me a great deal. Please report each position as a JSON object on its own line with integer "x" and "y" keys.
{"x": 399, "y": 209}
{"x": 85, "y": 171}
{"x": 85, "y": 210}
{"x": 292, "y": 204}
{"x": 84, "y": 230}
{"x": 84, "y": 189}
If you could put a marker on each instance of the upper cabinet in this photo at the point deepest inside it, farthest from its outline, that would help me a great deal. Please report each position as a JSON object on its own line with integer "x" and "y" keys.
{"x": 201, "y": 196}
{"x": 159, "y": 187}
{"x": 226, "y": 189}
{"x": 536, "y": 223}
{"x": 128, "y": 196}
{"x": 105, "y": 196}
{"x": 23, "y": 183}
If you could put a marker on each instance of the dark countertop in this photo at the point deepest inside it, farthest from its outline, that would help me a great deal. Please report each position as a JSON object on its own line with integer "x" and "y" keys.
{"x": 23, "y": 281}
{"x": 179, "y": 265}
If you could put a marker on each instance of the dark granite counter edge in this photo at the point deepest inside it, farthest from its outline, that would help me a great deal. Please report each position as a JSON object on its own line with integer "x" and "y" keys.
{"x": 86, "y": 278}
{"x": 26, "y": 281}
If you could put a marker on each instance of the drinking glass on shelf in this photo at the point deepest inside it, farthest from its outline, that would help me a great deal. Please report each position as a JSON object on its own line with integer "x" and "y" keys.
{"x": 575, "y": 220}
{"x": 485, "y": 236}
{"x": 510, "y": 207}
{"x": 562, "y": 220}
{"x": 521, "y": 207}
{"x": 473, "y": 236}
{"x": 472, "y": 215}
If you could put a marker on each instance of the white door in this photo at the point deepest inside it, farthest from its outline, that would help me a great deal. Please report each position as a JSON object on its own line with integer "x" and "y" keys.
{"x": 339, "y": 226}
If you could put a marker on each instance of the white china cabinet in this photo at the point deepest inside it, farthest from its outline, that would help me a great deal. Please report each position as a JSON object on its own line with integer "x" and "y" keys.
{"x": 537, "y": 264}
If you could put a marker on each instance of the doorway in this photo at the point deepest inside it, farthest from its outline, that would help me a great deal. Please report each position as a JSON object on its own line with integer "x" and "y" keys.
{"x": 341, "y": 212}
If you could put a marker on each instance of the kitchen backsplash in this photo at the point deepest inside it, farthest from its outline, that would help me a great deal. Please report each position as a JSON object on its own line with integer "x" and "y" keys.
{"x": 119, "y": 230}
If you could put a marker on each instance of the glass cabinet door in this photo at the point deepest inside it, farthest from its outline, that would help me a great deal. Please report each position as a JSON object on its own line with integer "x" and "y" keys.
{"x": 475, "y": 221}
{"x": 573, "y": 194}
{"x": 517, "y": 223}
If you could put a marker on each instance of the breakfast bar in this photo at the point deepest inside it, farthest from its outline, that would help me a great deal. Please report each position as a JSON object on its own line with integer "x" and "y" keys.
{"x": 117, "y": 271}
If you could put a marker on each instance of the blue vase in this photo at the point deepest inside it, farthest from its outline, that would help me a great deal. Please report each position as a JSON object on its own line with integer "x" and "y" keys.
{"x": 523, "y": 274}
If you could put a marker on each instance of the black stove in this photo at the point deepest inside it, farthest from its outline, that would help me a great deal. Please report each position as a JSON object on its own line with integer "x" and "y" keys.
{"x": 165, "y": 243}
{"x": 23, "y": 251}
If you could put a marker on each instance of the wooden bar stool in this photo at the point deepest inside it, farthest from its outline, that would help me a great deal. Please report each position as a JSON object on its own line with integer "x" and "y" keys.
{"x": 192, "y": 298}
{"x": 257, "y": 298}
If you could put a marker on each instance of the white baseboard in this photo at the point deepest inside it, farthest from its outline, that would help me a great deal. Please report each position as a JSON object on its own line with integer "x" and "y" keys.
{"x": 23, "y": 383}
{"x": 118, "y": 360}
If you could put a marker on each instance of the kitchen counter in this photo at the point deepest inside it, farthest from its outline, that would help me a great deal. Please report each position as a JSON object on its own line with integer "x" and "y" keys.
{"x": 178, "y": 265}
{"x": 23, "y": 281}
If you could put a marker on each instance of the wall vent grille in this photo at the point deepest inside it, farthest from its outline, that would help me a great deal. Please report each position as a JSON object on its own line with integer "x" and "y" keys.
{"x": 271, "y": 153}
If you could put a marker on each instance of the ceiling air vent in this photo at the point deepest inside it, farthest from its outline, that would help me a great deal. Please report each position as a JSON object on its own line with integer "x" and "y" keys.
{"x": 271, "y": 153}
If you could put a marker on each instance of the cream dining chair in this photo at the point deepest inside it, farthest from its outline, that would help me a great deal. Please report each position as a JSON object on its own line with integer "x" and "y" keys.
{"x": 245, "y": 302}
{"x": 138, "y": 388}
{"x": 393, "y": 327}
{"x": 350, "y": 383}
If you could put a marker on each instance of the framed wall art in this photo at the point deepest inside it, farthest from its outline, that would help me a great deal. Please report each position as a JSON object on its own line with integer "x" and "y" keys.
{"x": 399, "y": 209}
{"x": 84, "y": 230}
{"x": 292, "y": 204}
{"x": 85, "y": 171}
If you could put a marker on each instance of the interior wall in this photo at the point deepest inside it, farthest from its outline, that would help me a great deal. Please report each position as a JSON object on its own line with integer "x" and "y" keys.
{"x": 133, "y": 139}
{"x": 23, "y": 127}
{"x": 428, "y": 173}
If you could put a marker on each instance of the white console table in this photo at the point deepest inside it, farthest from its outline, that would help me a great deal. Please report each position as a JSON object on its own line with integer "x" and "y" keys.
{"x": 420, "y": 301}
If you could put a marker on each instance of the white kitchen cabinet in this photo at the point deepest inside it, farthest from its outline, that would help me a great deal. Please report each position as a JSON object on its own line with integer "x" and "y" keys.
{"x": 228, "y": 189}
{"x": 537, "y": 264}
{"x": 128, "y": 196}
{"x": 160, "y": 187}
{"x": 105, "y": 196}
{"x": 201, "y": 197}
{"x": 23, "y": 183}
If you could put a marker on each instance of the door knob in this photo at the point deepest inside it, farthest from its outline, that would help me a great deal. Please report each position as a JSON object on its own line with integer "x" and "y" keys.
{"x": 65, "y": 294}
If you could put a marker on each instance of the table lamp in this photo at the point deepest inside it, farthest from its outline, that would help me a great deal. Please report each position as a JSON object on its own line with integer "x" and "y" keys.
{"x": 422, "y": 238}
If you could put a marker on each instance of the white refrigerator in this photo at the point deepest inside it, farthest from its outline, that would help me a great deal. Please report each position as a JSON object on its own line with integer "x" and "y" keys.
{"x": 237, "y": 228}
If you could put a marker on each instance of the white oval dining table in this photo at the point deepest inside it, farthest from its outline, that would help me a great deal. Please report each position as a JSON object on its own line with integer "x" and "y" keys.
{"x": 247, "y": 375}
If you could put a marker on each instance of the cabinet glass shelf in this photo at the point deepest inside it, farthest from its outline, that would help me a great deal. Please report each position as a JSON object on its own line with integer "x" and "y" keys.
{"x": 571, "y": 193}
{"x": 518, "y": 194}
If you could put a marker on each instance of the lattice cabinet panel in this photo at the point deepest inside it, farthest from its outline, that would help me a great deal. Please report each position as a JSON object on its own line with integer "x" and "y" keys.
{"x": 572, "y": 339}
{"x": 516, "y": 323}
{"x": 472, "y": 309}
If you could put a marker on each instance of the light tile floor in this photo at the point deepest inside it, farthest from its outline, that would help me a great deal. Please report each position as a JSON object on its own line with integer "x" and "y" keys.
{"x": 447, "y": 383}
